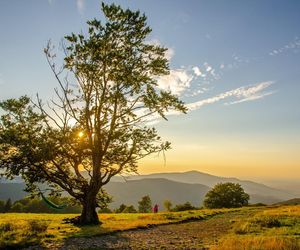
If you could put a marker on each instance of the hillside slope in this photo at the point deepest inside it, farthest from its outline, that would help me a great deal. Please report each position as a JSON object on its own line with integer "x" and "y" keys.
{"x": 177, "y": 187}
{"x": 195, "y": 177}
{"x": 130, "y": 192}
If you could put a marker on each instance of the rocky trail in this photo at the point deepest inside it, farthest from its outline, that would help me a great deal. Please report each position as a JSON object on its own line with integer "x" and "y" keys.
{"x": 189, "y": 235}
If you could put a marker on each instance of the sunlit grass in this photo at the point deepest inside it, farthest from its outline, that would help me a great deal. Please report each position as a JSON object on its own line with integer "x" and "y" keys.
{"x": 16, "y": 228}
{"x": 273, "y": 228}
{"x": 267, "y": 228}
{"x": 258, "y": 243}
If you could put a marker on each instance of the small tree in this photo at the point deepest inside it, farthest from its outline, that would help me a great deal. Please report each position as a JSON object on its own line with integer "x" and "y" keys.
{"x": 120, "y": 209}
{"x": 145, "y": 204}
{"x": 17, "y": 207}
{"x": 226, "y": 195}
{"x": 97, "y": 123}
{"x": 168, "y": 205}
{"x": 7, "y": 206}
{"x": 129, "y": 209}
{"x": 2, "y": 203}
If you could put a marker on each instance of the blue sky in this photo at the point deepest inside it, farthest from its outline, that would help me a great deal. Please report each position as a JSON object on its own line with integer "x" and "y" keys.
{"x": 235, "y": 64}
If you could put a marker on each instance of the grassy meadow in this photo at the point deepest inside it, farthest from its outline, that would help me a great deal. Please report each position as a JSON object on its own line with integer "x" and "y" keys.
{"x": 267, "y": 227}
{"x": 274, "y": 228}
{"x": 24, "y": 229}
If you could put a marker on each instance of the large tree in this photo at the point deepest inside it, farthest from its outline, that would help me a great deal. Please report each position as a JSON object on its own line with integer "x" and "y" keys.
{"x": 226, "y": 195}
{"x": 97, "y": 125}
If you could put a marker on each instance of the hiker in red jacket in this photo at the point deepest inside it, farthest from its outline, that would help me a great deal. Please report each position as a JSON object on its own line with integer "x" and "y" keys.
{"x": 155, "y": 208}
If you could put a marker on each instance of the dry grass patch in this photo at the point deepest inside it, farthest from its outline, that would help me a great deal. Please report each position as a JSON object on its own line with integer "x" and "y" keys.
{"x": 24, "y": 229}
{"x": 258, "y": 243}
{"x": 273, "y": 228}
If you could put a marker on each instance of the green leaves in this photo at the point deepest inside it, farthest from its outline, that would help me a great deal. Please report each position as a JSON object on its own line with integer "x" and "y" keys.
{"x": 226, "y": 195}
{"x": 108, "y": 93}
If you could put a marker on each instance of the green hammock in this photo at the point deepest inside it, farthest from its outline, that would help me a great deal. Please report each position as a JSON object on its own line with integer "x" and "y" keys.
{"x": 51, "y": 204}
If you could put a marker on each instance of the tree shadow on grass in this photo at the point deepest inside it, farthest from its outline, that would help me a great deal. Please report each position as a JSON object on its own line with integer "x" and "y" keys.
{"x": 105, "y": 239}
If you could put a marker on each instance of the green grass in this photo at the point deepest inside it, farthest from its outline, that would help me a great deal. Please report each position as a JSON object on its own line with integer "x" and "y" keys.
{"x": 25, "y": 229}
{"x": 273, "y": 228}
{"x": 254, "y": 228}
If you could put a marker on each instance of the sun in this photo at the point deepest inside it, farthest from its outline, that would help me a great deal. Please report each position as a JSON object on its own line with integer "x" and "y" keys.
{"x": 80, "y": 134}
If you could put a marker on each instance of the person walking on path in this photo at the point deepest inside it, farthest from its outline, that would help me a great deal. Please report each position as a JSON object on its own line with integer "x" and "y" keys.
{"x": 155, "y": 208}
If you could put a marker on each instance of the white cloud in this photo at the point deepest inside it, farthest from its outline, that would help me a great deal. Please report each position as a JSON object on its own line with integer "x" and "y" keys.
{"x": 177, "y": 81}
{"x": 291, "y": 46}
{"x": 197, "y": 71}
{"x": 169, "y": 53}
{"x": 241, "y": 94}
{"x": 199, "y": 91}
{"x": 80, "y": 6}
{"x": 251, "y": 98}
{"x": 207, "y": 67}
{"x": 246, "y": 93}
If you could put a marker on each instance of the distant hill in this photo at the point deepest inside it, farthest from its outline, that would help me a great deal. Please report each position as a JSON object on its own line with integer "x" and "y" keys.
{"x": 291, "y": 186}
{"x": 295, "y": 201}
{"x": 259, "y": 191}
{"x": 130, "y": 192}
{"x": 177, "y": 187}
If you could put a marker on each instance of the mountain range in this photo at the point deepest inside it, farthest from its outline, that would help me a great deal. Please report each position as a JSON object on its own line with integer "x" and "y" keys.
{"x": 177, "y": 187}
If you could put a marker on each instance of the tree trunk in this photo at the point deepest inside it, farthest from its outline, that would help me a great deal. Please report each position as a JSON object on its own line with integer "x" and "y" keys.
{"x": 89, "y": 215}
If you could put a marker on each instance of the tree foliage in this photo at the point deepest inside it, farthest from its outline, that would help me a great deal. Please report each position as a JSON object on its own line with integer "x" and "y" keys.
{"x": 129, "y": 209}
{"x": 145, "y": 204}
{"x": 2, "y": 204}
{"x": 183, "y": 207}
{"x": 97, "y": 123}
{"x": 226, "y": 195}
{"x": 36, "y": 205}
{"x": 7, "y": 205}
{"x": 168, "y": 205}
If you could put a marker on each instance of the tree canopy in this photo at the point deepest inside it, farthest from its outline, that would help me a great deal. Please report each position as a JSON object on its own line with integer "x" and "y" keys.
{"x": 97, "y": 125}
{"x": 226, "y": 195}
{"x": 145, "y": 204}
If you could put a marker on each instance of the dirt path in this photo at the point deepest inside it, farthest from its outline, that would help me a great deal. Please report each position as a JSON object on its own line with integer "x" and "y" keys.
{"x": 190, "y": 235}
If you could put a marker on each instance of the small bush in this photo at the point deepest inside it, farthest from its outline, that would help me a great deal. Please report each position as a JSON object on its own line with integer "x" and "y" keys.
{"x": 170, "y": 216}
{"x": 38, "y": 226}
{"x": 6, "y": 227}
{"x": 245, "y": 228}
{"x": 268, "y": 222}
{"x": 184, "y": 207}
{"x": 105, "y": 210}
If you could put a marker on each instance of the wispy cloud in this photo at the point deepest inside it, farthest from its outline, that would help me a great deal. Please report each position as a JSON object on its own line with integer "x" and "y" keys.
{"x": 80, "y": 6}
{"x": 79, "y": 3}
{"x": 242, "y": 94}
{"x": 293, "y": 46}
{"x": 193, "y": 80}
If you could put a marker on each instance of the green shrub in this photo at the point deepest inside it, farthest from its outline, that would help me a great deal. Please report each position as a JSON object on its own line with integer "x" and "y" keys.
{"x": 129, "y": 209}
{"x": 38, "y": 226}
{"x": 268, "y": 221}
{"x": 184, "y": 207}
{"x": 6, "y": 227}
